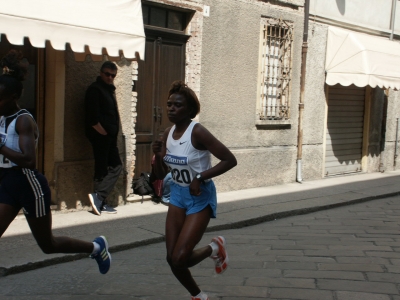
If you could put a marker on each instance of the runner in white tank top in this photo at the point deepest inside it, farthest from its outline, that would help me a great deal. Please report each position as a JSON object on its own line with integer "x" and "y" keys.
{"x": 186, "y": 149}
{"x": 184, "y": 160}
{"x": 8, "y": 131}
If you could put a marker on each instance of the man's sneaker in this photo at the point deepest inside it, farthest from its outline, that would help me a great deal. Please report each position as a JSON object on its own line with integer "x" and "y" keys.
{"x": 221, "y": 259}
{"x": 155, "y": 199}
{"x": 108, "y": 209}
{"x": 96, "y": 203}
{"x": 102, "y": 257}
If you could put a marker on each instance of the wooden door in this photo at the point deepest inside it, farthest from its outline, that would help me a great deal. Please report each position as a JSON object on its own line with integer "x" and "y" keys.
{"x": 164, "y": 62}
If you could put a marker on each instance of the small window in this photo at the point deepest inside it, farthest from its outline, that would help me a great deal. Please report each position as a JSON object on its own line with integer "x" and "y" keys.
{"x": 275, "y": 69}
{"x": 163, "y": 17}
{"x": 175, "y": 20}
{"x": 158, "y": 17}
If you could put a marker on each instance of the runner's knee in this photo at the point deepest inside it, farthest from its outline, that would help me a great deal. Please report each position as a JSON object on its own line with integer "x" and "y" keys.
{"x": 179, "y": 260}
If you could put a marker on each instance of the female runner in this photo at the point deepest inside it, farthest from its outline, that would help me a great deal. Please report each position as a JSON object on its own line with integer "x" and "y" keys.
{"x": 186, "y": 149}
{"x": 21, "y": 185}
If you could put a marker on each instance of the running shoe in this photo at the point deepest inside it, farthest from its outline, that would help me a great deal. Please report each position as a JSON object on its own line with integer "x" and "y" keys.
{"x": 221, "y": 259}
{"x": 201, "y": 298}
{"x": 164, "y": 201}
{"x": 102, "y": 257}
{"x": 108, "y": 209}
{"x": 96, "y": 203}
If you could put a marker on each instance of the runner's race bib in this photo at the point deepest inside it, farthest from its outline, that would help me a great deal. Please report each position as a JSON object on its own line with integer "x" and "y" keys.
{"x": 3, "y": 138}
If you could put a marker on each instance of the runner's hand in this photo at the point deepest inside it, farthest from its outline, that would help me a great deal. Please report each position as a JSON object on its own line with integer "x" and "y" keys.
{"x": 194, "y": 187}
{"x": 157, "y": 147}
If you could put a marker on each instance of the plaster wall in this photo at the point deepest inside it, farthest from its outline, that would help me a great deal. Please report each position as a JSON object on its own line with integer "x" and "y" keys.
{"x": 315, "y": 106}
{"x": 393, "y": 112}
{"x": 229, "y": 78}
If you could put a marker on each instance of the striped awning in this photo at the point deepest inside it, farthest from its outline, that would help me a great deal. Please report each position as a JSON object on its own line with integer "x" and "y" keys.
{"x": 98, "y": 24}
{"x": 361, "y": 59}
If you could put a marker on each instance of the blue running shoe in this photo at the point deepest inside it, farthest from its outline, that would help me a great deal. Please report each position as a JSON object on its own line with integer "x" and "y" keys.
{"x": 103, "y": 257}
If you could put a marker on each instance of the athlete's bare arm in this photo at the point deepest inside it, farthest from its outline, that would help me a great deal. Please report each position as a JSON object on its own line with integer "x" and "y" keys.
{"x": 202, "y": 139}
{"x": 25, "y": 128}
{"x": 160, "y": 169}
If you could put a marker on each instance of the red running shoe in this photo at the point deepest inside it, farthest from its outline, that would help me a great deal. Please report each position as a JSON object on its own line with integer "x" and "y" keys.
{"x": 221, "y": 259}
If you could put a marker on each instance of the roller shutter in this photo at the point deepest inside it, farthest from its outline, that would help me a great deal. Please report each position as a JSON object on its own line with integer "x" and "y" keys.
{"x": 344, "y": 136}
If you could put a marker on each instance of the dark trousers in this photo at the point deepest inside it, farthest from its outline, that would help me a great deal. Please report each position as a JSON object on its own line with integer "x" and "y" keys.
{"x": 107, "y": 164}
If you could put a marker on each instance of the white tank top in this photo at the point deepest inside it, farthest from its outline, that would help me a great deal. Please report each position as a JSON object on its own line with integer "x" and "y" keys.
{"x": 184, "y": 160}
{"x": 7, "y": 127}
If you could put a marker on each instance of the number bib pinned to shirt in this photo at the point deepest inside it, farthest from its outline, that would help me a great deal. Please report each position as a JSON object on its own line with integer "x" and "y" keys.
{"x": 180, "y": 169}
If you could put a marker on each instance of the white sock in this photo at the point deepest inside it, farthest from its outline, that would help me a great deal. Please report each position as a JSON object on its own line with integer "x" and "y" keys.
{"x": 202, "y": 296}
{"x": 215, "y": 248}
{"x": 96, "y": 248}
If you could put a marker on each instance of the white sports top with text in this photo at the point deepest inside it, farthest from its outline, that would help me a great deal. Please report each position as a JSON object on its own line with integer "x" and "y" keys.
{"x": 8, "y": 130}
{"x": 184, "y": 160}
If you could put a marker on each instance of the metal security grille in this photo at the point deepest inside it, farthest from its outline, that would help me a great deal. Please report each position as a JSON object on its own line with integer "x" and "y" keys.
{"x": 344, "y": 136}
{"x": 276, "y": 69}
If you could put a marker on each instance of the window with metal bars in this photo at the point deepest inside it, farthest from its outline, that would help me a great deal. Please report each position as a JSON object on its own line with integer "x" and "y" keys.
{"x": 276, "y": 69}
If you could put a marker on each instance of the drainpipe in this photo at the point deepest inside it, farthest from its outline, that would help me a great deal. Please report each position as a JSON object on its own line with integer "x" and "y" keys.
{"x": 394, "y": 2}
{"x": 397, "y": 139}
{"x": 302, "y": 86}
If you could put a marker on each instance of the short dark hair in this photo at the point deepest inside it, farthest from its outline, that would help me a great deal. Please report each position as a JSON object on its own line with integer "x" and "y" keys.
{"x": 108, "y": 65}
{"x": 14, "y": 73}
{"x": 180, "y": 88}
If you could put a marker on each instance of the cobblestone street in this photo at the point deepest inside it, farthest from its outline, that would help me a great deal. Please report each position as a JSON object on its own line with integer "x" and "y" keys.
{"x": 347, "y": 253}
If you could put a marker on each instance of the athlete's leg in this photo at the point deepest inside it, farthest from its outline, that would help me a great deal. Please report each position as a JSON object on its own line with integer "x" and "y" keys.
{"x": 182, "y": 234}
{"x": 7, "y": 215}
{"x": 41, "y": 230}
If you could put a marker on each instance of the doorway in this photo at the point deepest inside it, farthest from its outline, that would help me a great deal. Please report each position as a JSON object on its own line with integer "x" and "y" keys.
{"x": 345, "y": 130}
{"x": 164, "y": 63}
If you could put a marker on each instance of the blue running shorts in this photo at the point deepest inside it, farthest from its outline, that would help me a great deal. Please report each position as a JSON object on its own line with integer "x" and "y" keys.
{"x": 181, "y": 197}
{"x": 27, "y": 189}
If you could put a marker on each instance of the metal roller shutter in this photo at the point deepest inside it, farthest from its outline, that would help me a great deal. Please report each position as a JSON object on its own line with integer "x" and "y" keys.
{"x": 344, "y": 135}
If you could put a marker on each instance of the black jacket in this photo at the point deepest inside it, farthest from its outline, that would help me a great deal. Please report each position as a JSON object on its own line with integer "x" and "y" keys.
{"x": 101, "y": 106}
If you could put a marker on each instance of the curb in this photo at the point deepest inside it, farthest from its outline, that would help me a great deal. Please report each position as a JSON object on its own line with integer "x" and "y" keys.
{"x": 235, "y": 225}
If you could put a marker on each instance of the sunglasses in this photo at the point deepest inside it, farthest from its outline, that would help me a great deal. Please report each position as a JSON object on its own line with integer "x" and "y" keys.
{"x": 108, "y": 74}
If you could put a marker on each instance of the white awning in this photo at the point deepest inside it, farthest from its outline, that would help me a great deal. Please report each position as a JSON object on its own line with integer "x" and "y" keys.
{"x": 361, "y": 59}
{"x": 110, "y": 24}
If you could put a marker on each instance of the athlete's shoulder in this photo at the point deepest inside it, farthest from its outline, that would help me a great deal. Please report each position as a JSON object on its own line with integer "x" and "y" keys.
{"x": 199, "y": 129}
{"x": 25, "y": 123}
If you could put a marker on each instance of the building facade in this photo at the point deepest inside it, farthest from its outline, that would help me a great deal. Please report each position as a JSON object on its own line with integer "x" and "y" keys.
{"x": 243, "y": 58}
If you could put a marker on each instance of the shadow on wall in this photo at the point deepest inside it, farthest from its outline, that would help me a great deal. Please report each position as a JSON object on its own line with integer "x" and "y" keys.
{"x": 341, "y": 4}
{"x": 75, "y": 174}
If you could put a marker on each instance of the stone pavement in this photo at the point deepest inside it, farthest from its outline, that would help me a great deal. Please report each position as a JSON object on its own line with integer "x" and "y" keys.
{"x": 139, "y": 224}
{"x": 346, "y": 253}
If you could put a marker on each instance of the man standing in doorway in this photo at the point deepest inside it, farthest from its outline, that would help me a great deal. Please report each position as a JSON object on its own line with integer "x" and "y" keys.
{"x": 102, "y": 126}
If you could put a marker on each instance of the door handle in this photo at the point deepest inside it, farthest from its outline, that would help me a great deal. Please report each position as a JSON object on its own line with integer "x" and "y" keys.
{"x": 160, "y": 113}
{"x": 155, "y": 108}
